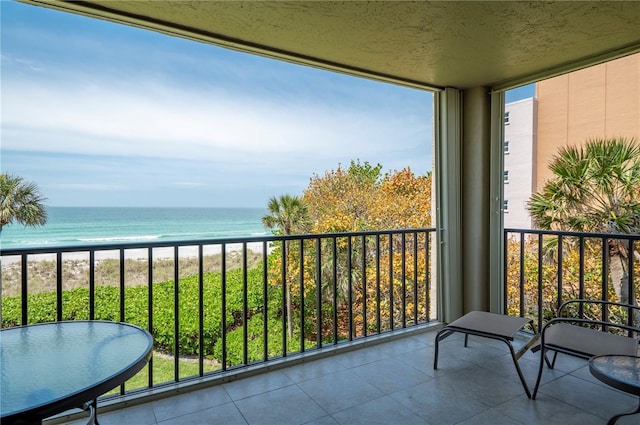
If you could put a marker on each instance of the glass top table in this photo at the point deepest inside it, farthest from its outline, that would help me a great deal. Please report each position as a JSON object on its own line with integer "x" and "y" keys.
{"x": 621, "y": 372}
{"x": 48, "y": 368}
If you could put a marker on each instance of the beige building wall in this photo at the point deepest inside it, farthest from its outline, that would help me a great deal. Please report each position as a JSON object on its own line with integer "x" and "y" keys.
{"x": 600, "y": 101}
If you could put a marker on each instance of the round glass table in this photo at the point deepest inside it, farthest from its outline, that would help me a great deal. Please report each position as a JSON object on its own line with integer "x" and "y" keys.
{"x": 621, "y": 372}
{"x": 49, "y": 368}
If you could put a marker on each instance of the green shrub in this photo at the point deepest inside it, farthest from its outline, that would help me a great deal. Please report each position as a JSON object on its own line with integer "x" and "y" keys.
{"x": 255, "y": 341}
{"x": 75, "y": 306}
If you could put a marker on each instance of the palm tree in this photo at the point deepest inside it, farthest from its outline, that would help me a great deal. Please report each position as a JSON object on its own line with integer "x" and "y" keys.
{"x": 595, "y": 188}
{"x": 287, "y": 215}
{"x": 20, "y": 201}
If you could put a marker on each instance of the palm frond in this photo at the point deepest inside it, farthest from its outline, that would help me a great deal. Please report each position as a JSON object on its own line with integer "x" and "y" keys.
{"x": 594, "y": 188}
{"x": 20, "y": 201}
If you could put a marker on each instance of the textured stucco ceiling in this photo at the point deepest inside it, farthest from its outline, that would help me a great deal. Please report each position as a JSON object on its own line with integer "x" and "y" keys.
{"x": 437, "y": 44}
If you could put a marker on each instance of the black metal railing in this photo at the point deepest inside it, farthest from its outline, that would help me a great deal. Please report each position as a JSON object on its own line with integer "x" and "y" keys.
{"x": 542, "y": 269}
{"x": 229, "y": 303}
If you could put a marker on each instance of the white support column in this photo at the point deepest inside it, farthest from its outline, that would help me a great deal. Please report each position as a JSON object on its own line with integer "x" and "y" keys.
{"x": 496, "y": 247}
{"x": 448, "y": 144}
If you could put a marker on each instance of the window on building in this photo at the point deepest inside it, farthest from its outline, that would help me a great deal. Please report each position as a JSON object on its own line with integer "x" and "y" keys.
{"x": 505, "y": 206}
{"x": 506, "y": 146}
{"x": 506, "y": 177}
{"x": 506, "y": 118}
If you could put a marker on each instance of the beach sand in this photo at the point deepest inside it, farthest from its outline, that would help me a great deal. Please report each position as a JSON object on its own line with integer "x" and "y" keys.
{"x": 141, "y": 253}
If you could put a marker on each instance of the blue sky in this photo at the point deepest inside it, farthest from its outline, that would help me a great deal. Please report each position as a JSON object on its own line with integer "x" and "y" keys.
{"x": 101, "y": 114}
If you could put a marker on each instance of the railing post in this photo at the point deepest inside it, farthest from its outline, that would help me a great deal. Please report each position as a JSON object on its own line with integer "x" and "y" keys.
{"x": 605, "y": 276}
{"x": 265, "y": 303}
{"x": 149, "y": 307}
{"x": 302, "y": 312}
{"x": 176, "y": 314}
{"x": 350, "y": 289}
{"x": 391, "y": 298}
{"x": 522, "y": 276}
{"x": 540, "y": 300}
{"x": 415, "y": 278}
{"x": 632, "y": 295}
{"x": 581, "y": 268}
{"x": 403, "y": 277}
{"x": 560, "y": 269}
{"x": 24, "y": 300}
{"x": 223, "y": 271}
{"x": 59, "y": 286}
{"x": 122, "y": 278}
{"x": 335, "y": 288}
{"x": 285, "y": 297}
{"x": 245, "y": 306}
{"x": 427, "y": 266}
{"x": 378, "y": 317}
{"x": 200, "y": 311}
{"x": 364, "y": 285}
{"x": 92, "y": 285}
{"x": 318, "y": 293}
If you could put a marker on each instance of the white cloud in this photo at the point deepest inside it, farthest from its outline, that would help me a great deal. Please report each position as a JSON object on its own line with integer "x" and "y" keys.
{"x": 141, "y": 118}
{"x": 103, "y": 114}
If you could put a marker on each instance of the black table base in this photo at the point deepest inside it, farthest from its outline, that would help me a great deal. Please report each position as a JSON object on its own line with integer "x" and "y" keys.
{"x": 613, "y": 420}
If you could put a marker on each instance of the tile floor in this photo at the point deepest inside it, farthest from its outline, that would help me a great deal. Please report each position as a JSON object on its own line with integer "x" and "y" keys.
{"x": 394, "y": 383}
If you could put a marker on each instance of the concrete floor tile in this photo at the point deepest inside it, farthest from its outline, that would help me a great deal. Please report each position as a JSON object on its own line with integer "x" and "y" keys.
{"x": 289, "y": 405}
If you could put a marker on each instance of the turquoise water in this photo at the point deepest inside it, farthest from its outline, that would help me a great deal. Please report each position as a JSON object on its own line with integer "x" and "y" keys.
{"x": 89, "y": 226}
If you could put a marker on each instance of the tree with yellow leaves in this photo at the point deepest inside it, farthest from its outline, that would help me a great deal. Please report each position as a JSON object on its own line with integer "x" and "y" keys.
{"x": 361, "y": 198}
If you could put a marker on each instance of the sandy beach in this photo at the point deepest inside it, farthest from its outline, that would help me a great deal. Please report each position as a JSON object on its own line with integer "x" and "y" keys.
{"x": 141, "y": 253}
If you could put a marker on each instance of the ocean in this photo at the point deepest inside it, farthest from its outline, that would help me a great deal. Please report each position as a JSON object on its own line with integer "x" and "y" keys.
{"x": 71, "y": 226}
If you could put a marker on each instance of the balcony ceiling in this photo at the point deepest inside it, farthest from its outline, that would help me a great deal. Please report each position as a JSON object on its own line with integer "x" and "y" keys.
{"x": 430, "y": 44}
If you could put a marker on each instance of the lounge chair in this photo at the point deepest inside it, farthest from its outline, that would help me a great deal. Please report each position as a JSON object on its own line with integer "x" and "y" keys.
{"x": 585, "y": 338}
{"x": 494, "y": 326}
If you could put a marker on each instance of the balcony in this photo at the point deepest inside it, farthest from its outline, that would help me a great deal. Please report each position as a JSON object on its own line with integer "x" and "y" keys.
{"x": 471, "y": 386}
{"x": 393, "y": 382}
{"x": 367, "y": 367}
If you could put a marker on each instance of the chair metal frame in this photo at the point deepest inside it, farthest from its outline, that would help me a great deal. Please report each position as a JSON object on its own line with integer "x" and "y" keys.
{"x": 510, "y": 325}
{"x": 604, "y": 325}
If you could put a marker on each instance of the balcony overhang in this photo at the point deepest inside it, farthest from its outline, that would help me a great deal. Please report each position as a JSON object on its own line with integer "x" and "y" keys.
{"x": 420, "y": 44}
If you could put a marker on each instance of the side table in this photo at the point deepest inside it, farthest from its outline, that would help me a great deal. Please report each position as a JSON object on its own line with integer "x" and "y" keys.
{"x": 621, "y": 372}
{"x": 52, "y": 367}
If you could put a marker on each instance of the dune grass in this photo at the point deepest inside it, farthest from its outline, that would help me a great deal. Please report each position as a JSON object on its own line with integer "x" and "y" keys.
{"x": 42, "y": 274}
